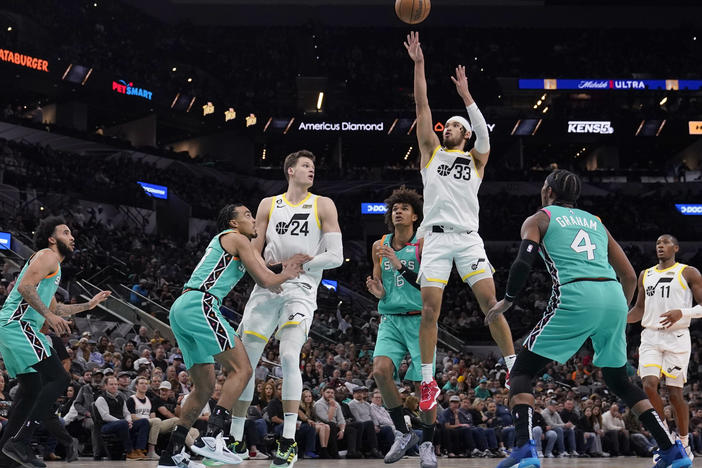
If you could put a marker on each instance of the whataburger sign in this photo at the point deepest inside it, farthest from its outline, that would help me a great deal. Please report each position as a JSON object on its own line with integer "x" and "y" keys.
{"x": 24, "y": 60}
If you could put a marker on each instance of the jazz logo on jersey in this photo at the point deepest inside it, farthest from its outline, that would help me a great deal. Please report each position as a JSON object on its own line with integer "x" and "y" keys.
{"x": 462, "y": 166}
{"x": 298, "y": 225}
{"x": 651, "y": 290}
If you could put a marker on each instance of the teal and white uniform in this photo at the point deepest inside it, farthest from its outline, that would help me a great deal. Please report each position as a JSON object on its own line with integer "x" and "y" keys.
{"x": 22, "y": 345}
{"x": 586, "y": 300}
{"x": 400, "y": 310}
{"x": 195, "y": 318}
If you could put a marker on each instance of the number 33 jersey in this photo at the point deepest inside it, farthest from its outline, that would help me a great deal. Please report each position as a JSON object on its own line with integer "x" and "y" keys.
{"x": 665, "y": 290}
{"x": 294, "y": 229}
{"x": 451, "y": 185}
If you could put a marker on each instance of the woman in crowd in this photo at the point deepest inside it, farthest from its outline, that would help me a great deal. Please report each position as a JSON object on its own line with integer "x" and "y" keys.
{"x": 586, "y": 423}
{"x": 306, "y": 416}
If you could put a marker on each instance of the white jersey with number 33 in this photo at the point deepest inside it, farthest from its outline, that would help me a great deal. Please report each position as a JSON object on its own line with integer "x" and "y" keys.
{"x": 665, "y": 290}
{"x": 451, "y": 184}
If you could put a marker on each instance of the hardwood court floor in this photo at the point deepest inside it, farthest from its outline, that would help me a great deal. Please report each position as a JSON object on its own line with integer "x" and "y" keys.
{"x": 623, "y": 462}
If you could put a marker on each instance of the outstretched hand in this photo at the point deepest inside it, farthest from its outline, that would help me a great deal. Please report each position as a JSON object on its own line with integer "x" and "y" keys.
{"x": 461, "y": 82}
{"x": 414, "y": 48}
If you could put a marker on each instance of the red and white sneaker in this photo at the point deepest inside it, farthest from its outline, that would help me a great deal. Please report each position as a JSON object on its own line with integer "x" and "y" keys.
{"x": 430, "y": 395}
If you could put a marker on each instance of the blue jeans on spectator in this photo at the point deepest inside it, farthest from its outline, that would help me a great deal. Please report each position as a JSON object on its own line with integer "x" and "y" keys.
{"x": 560, "y": 444}
{"x": 569, "y": 436}
{"x": 386, "y": 437}
{"x": 550, "y": 438}
{"x": 140, "y": 433}
{"x": 507, "y": 436}
{"x": 484, "y": 438}
{"x": 121, "y": 430}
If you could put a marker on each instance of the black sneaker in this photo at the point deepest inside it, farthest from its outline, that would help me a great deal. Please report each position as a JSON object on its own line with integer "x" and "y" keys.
{"x": 286, "y": 455}
{"x": 22, "y": 454}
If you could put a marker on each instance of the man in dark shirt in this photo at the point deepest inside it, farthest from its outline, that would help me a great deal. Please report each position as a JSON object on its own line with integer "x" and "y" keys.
{"x": 164, "y": 406}
{"x": 569, "y": 415}
{"x": 160, "y": 358}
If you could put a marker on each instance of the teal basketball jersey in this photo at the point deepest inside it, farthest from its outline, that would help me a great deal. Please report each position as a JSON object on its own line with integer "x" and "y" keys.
{"x": 218, "y": 271}
{"x": 16, "y": 308}
{"x": 575, "y": 246}
{"x": 400, "y": 296}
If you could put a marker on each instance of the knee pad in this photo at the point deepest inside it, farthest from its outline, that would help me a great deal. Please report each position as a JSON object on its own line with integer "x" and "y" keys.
{"x": 291, "y": 341}
{"x": 618, "y": 382}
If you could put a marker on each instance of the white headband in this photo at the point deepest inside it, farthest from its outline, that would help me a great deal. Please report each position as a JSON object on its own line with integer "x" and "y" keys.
{"x": 462, "y": 121}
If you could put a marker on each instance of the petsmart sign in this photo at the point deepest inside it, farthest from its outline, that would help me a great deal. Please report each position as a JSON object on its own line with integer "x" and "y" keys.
{"x": 373, "y": 208}
{"x": 122, "y": 87}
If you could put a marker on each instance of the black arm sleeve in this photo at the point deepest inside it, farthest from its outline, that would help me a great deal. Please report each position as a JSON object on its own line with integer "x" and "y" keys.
{"x": 409, "y": 276}
{"x": 519, "y": 272}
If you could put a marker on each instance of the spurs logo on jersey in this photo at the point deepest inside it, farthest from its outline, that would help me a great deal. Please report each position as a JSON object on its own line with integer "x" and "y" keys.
{"x": 451, "y": 186}
{"x": 460, "y": 169}
{"x": 665, "y": 290}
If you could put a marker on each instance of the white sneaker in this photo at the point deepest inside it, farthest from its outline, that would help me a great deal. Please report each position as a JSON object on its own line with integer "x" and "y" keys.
{"x": 216, "y": 449}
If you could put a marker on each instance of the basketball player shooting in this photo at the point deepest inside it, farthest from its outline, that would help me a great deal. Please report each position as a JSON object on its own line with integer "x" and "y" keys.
{"x": 451, "y": 178}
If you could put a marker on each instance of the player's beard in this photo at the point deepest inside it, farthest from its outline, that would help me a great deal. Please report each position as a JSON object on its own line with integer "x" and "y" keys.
{"x": 64, "y": 249}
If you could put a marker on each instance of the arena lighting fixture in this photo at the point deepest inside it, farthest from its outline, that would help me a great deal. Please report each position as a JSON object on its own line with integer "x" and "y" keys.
{"x": 9, "y": 28}
{"x": 287, "y": 128}
{"x": 320, "y": 99}
{"x": 408, "y": 153}
{"x": 536, "y": 106}
{"x": 190, "y": 80}
{"x": 173, "y": 69}
{"x": 263, "y": 154}
{"x": 545, "y": 110}
{"x": 414, "y": 124}
{"x": 265, "y": 127}
{"x": 208, "y": 108}
{"x": 543, "y": 98}
{"x": 663, "y": 101}
{"x": 392, "y": 126}
{"x": 229, "y": 114}
{"x": 251, "y": 120}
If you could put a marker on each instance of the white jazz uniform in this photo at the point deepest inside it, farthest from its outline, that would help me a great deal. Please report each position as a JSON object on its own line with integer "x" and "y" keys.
{"x": 451, "y": 184}
{"x": 292, "y": 229}
{"x": 665, "y": 351}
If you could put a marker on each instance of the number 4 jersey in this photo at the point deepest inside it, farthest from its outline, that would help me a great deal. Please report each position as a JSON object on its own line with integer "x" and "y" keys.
{"x": 294, "y": 229}
{"x": 575, "y": 246}
{"x": 665, "y": 290}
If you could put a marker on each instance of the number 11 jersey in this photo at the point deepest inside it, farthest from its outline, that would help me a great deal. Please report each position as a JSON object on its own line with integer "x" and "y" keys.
{"x": 294, "y": 229}
{"x": 665, "y": 290}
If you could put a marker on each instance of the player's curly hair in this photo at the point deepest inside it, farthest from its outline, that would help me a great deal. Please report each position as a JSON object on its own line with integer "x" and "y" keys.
{"x": 404, "y": 195}
{"x": 46, "y": 229}
{"x": 226, "y": 214}
{"x": 565, "y": 185}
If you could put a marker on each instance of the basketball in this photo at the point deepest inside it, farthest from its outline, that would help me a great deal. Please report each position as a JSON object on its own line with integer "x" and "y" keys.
{"x": 412, "y": 11}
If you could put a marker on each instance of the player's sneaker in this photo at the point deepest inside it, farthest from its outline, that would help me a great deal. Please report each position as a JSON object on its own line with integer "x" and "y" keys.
{"x": 402, "y": 443}
{"x": 238, "y": 447}
{"x": 178, "y": 460}
{"x": 286, "y": 455}
{"x": 522, "y": 457}
{"x": 427, "y": 456}
{"x": 22, "y": 453}
{"x": 430, "y": 395}
{"x": 674, "y": 457}
{"x": 214, "y": 448}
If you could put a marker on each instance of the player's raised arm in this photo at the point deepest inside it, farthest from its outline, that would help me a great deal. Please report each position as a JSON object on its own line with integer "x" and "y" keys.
{"x": 263, "y": 213}
{"x": 426, "y": 137}
{"x": 332, "y": 248}
{"x": 481, "y": 148}
{"x": 622, "y": 266}
{"x": 636, "y": 313}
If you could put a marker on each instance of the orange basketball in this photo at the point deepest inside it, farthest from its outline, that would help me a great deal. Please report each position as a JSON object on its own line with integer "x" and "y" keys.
{"x": 412, "y": 11}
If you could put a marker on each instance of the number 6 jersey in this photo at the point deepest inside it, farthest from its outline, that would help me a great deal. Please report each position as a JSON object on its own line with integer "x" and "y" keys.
{"x": 665, "y": 290}
{"x": 451, "y": 185}
{"x": 294, "y": 229}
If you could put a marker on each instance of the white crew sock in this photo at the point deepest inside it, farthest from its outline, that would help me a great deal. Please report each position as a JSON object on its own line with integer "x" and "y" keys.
{"x": 427, "y": 372}
{"x": 509, "y": 361}
{"x": 289, "y": 425}
{"x": 685, "y": 440}
{"x": 236, "y": 429}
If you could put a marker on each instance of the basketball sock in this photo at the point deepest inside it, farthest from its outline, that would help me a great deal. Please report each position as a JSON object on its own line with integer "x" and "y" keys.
{"x": 26, "y": 432}
{"x": 289, "y": 425}
{"x": 215, "y": 424}
{"x": 509, "y": 361}
{"x": 177, "y": 440}
{"x": 523, "y": 417}
{"x": 653, "y": 423}
{"x": 398, "y": 419}
{"x": 428, "y": 432}
{"x": 236, "y": 428}
{"x": 427, "y": 372}
{"x": 685, "y": 440}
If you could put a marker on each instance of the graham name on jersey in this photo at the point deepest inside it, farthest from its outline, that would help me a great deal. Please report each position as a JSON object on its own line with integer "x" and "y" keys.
{"x": 577, "y": 221}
